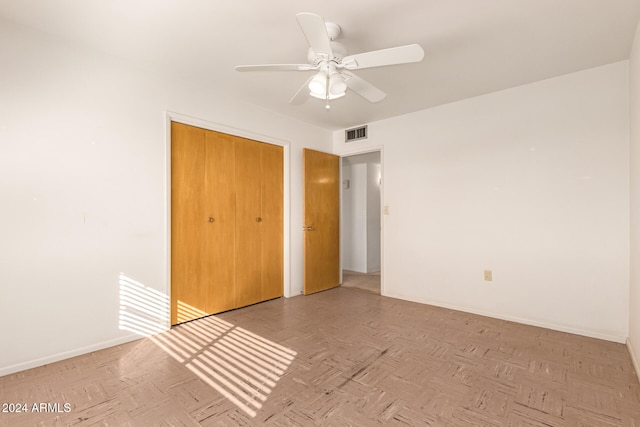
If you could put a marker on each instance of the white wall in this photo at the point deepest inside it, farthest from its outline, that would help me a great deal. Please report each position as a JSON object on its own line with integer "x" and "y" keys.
{"x": 373, "y": 217}
{"x": 530, "y": 182}
{"x": 361, "y": 213}
{"x": 354, "y": 218}
{"x": 634, "y": 294}
{"x": 83, "y": 184}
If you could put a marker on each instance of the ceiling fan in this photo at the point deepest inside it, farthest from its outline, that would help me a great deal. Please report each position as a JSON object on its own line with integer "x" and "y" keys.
{"x": 333, "y": 66}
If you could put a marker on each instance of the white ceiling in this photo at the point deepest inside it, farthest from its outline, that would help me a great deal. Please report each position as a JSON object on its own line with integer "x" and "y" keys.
{"x": 471, "y": 47}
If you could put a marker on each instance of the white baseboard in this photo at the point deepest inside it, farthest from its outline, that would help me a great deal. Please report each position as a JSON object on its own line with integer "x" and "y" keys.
{"x": 634, "y": 358}
{"x": 66, "y": 355}
{"x": 547, "y": 325}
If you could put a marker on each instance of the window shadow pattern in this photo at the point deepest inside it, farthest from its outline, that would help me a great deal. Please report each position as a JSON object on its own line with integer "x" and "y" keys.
{"x": 242, "y": 366}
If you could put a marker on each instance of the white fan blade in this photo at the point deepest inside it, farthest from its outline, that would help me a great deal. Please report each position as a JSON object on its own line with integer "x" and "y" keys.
{"x": 275, "y": 67}
{"x": 380, "y": 58}
{"x": 315, "y": 31}
{"x": 363, "y": 87}
{"x": 302, "y": 94}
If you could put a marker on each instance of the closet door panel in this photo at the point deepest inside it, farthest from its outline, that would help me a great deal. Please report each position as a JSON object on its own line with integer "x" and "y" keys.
{"x": 272, "y": 223}
{"x": 219, "y": 230}
{"x": 226, "y": 222}
{"x": 248, "y": 221}
{"x": 188, "y": 295}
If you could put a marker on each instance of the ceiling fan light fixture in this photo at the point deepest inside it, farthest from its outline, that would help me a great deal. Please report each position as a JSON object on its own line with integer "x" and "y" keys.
{"x": 324, "y": 97}
{"x": 317, "y": 84}
{"x": 337, "y": 86}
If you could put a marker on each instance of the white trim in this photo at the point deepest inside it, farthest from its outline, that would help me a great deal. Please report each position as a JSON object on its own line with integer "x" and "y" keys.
{"x": 365, "y": 150}
{"x": 167, "y": 205}
{"x": 286, "y": 221}
{"x": 546, "y": 325}
{"x": 362, "y": 150}
{"x": 243, "y": 133}
{"x": 634, "y": 358}
{"x": 219, "y": 127}
{"x": 340, "y": 225}
{"x": 66, "y": 355}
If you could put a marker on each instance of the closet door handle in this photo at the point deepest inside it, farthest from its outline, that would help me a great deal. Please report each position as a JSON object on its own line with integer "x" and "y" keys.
{"x": 258, "y": 219}
{"x": 211, "y": 219}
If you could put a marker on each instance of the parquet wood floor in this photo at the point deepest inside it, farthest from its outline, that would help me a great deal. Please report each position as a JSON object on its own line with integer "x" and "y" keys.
{"x": 367, "y": 282}
{"x": 342, "y": 357}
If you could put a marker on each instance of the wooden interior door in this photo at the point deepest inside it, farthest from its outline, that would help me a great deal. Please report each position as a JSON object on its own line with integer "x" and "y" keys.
{"x": 321, "y": 221}
{"x": 248, "y": 221}
{"x": 272, "y": 242}
{"x": 219, "y": 232}
{"x": 226, "y": 222}
{"x": 188, "y": 295}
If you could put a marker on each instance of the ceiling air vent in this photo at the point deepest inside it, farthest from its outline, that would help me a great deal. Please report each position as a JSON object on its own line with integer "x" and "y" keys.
{"x": 355, "y": 134}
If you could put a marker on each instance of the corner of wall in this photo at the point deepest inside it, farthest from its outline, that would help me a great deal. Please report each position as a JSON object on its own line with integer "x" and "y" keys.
{"x": 633, "y": 342}
{"x": 634, "y": 359}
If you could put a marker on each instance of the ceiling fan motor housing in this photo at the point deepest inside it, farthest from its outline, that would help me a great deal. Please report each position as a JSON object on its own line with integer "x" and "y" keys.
{"x": 333, "y": 30}
{"x": 338, "y": 51}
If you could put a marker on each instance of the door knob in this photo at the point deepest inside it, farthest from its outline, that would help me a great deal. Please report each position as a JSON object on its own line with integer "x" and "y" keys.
{"x": 211, "y": 219}
{"x": 258, "y": 219}
{"x": 309, "y": 228}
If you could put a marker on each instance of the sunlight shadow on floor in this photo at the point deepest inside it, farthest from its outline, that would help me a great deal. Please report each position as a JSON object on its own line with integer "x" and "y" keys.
{"x": 242, "y": 366}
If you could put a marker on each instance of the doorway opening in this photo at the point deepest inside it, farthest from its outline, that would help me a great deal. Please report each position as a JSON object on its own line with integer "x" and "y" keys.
{"x": 361, "y": 221}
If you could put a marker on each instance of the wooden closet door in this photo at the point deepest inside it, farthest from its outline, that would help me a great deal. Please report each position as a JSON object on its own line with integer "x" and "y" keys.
{"x": 272, "y": 221}
{"x": 188, "y": 295}
{"x": 321, "y": 199}
{"x": 248, "y": 222}
{"x": 219, "y": 232}
{"x": 226, "y": 222}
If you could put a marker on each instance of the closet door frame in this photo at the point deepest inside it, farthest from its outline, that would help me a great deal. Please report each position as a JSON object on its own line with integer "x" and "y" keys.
{"x": 243, "y": 133}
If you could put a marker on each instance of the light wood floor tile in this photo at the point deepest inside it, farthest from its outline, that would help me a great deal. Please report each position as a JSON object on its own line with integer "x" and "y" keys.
{"x": 363, "y": 281}
{"x": 343, "y": 357}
